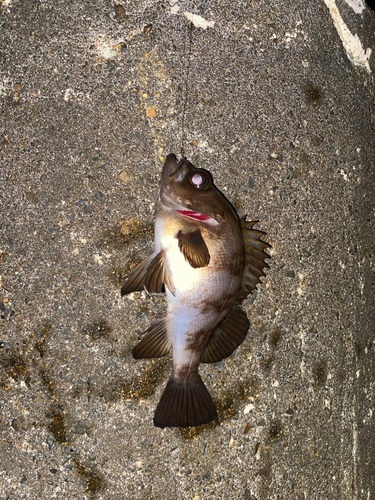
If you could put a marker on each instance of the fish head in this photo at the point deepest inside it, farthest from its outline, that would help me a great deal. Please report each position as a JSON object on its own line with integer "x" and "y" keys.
{"x": 190, "y": 191}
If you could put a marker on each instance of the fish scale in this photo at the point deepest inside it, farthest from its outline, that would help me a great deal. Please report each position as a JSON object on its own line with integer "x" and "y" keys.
{"x": 207, "y": 261}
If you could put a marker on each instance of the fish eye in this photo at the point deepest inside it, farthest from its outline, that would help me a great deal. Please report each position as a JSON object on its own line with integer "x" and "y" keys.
{"x": 200, "y": 180}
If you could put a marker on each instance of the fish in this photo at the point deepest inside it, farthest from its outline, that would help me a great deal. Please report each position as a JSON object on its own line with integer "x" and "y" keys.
{"x": 207, "y": 260}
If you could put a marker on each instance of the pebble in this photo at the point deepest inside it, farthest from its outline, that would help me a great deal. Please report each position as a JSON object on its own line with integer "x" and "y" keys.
{"x": 50, "y": 441}
{"x": 82, "y": 426}
{"x": 125, "y": 177}
{"x": 32, "y": 383}
{"x": 247, "y": 428}
{"x": 150, "y": 112}
{"x": 20, "y": 423}
{"x": 31, "y": 197}
{"x": 119, "y": 12}
{"x": 17, "y": 87}
{"x": 92, "y": 183}
{"x": 206, "y": 474}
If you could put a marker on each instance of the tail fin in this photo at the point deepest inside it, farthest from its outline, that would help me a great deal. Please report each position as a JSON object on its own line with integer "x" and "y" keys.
{"x": 185, "y": 403}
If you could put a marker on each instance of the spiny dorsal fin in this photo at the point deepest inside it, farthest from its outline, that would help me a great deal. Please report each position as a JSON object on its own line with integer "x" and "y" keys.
{"x": 151, "y": 274}
{"x": 193, "y": 248}
{"x": 255, "y": 256}
{"x": 155, "y": 343}
{"x": 230, "y": 333}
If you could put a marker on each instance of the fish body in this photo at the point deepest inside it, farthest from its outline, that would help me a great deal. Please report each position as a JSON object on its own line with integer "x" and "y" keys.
{"x": 207, "y": 261}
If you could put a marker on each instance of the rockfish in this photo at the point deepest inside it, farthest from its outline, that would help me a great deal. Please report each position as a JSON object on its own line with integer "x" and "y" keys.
{"x": 207, "y": 261}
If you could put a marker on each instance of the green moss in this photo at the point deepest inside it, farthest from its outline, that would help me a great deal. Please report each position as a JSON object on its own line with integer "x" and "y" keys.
{"x": 46, "y": 381}
{"x": 319, "y": 372}
{"x": 57, "y": 426}
{"x": 313, "y": 94}
{"x": 120, "y": 235}
{"x": 141, "y": 386}
{"x": 226, "y": 408}
{"x": 145, "y": 384}
{"x": 118, "y": 274}
{"x": 275, "y": 431}
{"x": 43, "y": 336}
{"x": 275, "y": 336}
{"x": 193, "y": 432}
{"x": 98, "y": 330}
{"x": 267, "y": 363}
{"x": 16, "y": 367}
{"x": 94, "y": 483}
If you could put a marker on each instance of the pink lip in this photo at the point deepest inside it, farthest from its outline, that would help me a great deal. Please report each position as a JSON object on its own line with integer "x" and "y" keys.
{"x": 194, "y": 215}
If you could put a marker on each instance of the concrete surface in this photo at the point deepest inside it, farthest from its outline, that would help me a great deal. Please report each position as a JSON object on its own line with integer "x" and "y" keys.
{"x": 278, "y": 99}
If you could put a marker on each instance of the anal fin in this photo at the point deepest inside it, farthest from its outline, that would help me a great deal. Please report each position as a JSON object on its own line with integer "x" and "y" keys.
{"x": 155, "y": 343}
{"x": 229, "y": 334}
{"x": 185, "y": 403}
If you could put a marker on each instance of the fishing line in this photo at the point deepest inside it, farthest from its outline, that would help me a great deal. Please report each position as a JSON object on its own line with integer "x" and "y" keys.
{"x": 188, "y": 55}
{"x": 190, "y": 27}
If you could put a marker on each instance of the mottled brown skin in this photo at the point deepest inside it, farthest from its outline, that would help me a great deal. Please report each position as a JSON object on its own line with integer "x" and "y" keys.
{"x": 200, "y": 257}
{"x": 203, "y": 296}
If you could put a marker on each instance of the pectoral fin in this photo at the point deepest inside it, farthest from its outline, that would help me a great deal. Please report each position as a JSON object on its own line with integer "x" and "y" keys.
{"x": 158, "y": 274}
{"x": 155, "y": 343}
{"x": 193, "y": 248}
{"x": 230, "y": 333}
{"x": 151, "y": 275}
{"x": 135, "y": 282}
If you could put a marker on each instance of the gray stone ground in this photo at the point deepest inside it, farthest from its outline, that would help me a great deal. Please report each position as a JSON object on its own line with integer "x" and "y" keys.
{"x": 92, "y": 99}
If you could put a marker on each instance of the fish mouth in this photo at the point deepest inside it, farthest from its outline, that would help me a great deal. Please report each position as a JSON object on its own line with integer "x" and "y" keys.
{"x": 194, "y": 215}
